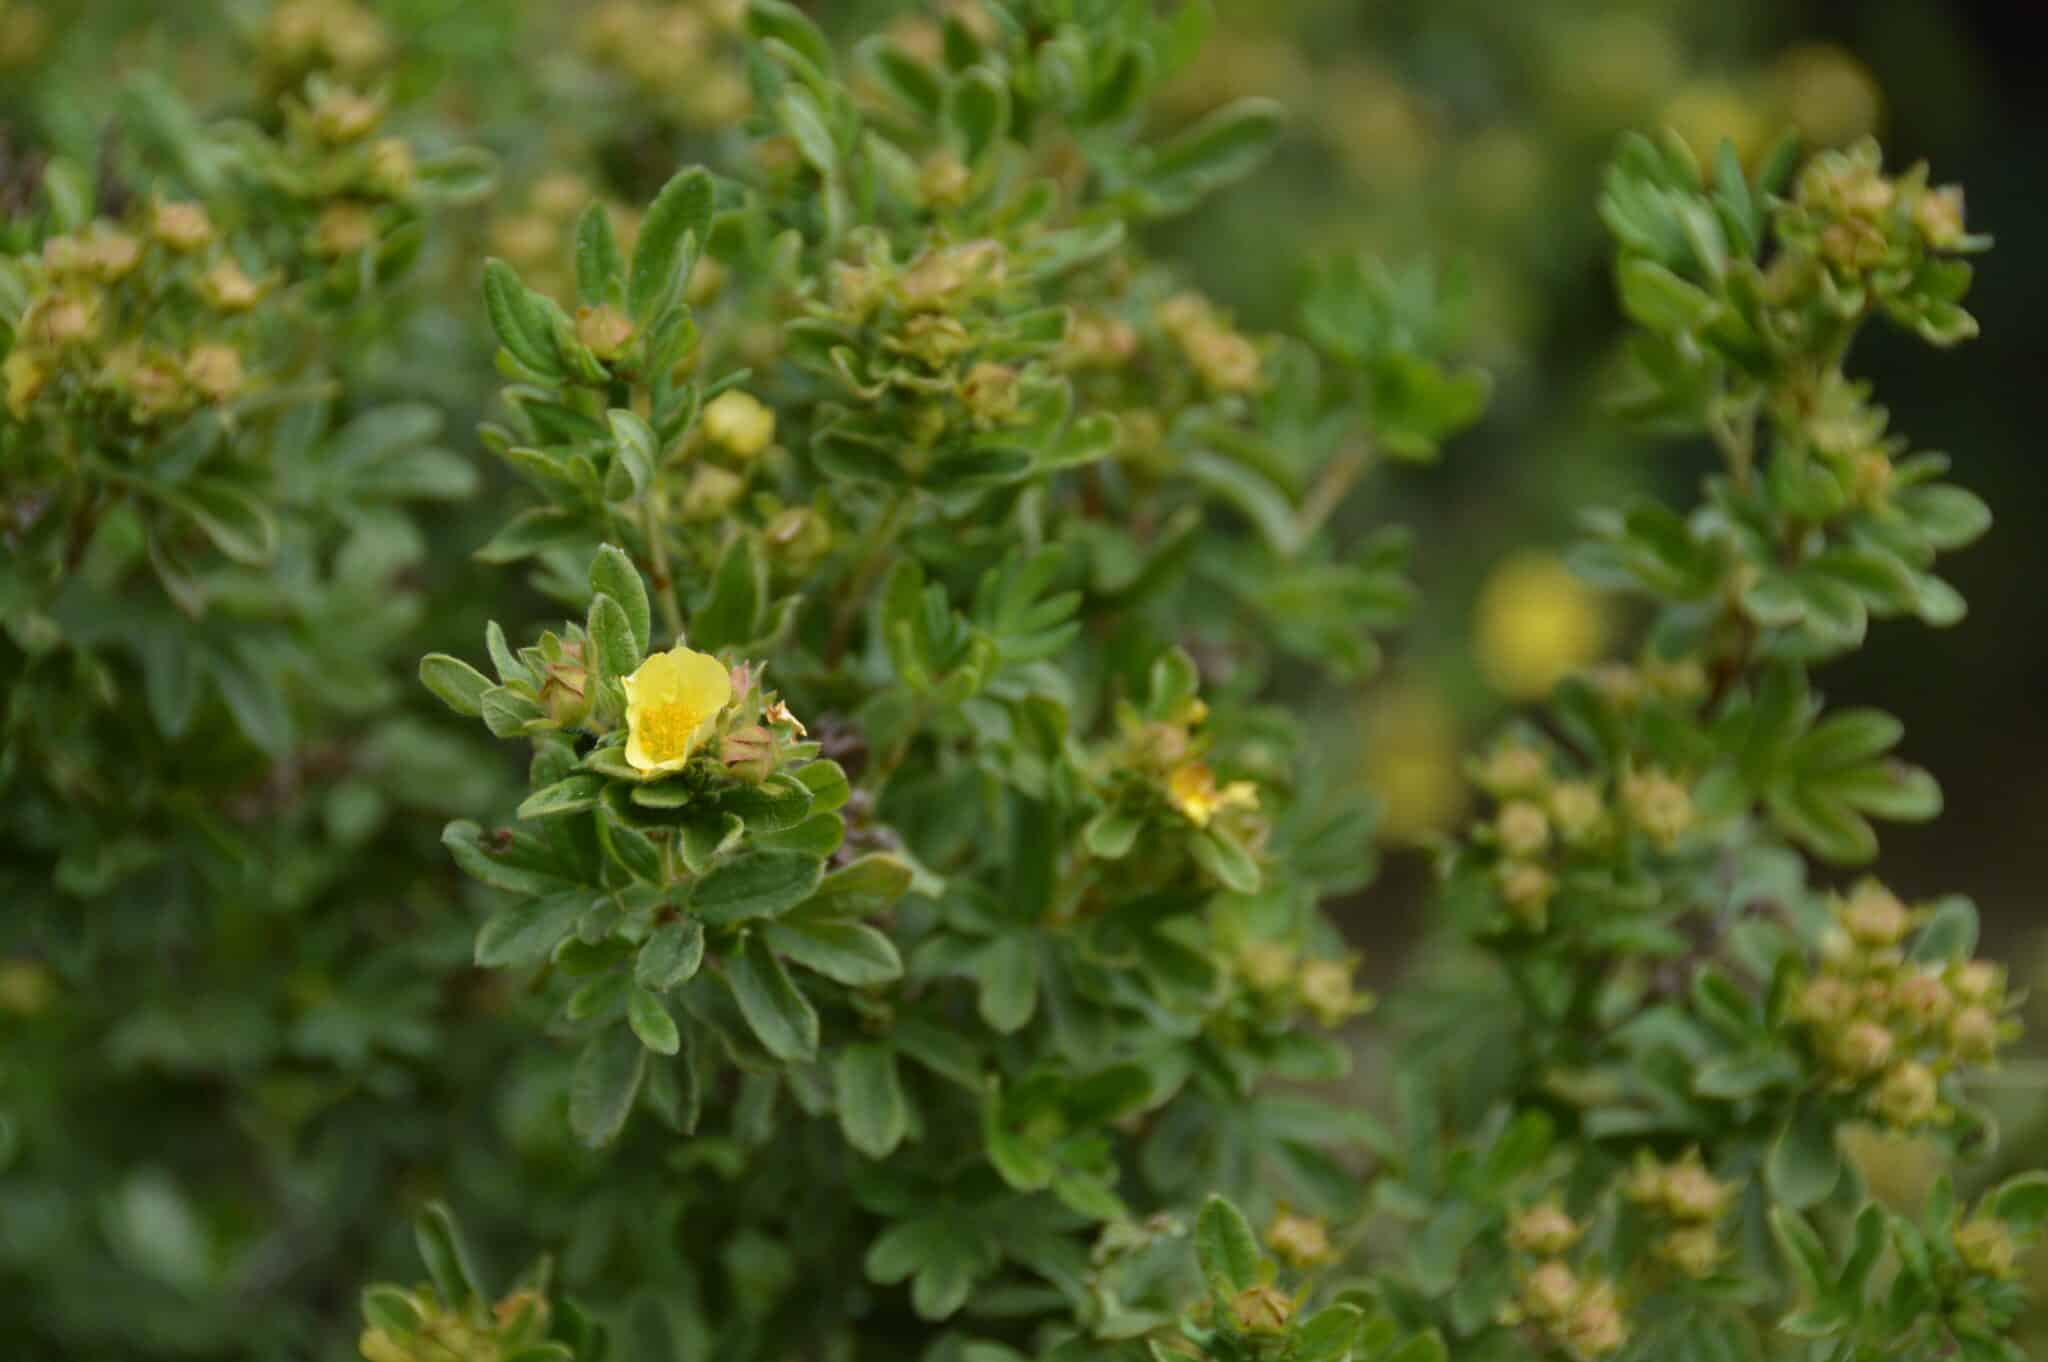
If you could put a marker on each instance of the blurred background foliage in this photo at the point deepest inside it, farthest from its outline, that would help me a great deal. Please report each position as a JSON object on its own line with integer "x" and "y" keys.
{"x": 1461, "y": 135}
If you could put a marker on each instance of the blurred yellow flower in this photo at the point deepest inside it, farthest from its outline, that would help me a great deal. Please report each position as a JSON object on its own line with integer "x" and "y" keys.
{"x": 1412, "y": 764}
{"x": 672, "y": 703}
{"x": 1829, "y": 96}
{"x": 1191, "y": 786}
{"x": 1537, "y": 623}
{"x": 1704, "y": 113}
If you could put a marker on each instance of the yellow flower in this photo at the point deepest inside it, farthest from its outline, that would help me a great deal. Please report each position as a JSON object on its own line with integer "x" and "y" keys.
{"x": 672, "y": 701}
{"x": 738, "y": 421}
{"x": 1191, "y": 786}
{"x": 1537, "y": 624}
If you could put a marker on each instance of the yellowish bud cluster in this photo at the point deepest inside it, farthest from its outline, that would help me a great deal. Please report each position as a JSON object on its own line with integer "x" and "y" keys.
{"x": 682, "y": 56}
{"x": 1890, "y": 1027}
{"x": 1300, "y": 1241}
{"x": 1226, "y": 361}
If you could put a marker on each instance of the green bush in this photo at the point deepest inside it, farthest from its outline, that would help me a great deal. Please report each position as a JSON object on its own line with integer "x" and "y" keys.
{"x": 909, "y": 936}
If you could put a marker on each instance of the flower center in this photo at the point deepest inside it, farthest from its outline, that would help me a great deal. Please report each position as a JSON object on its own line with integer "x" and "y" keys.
{"x": 667, "y": 731}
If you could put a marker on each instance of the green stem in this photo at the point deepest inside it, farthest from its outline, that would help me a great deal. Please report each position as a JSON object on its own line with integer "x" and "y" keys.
{"x": 657, "y": 552}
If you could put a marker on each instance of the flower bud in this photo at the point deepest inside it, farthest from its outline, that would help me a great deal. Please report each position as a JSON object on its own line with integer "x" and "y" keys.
{"x": 184, "y": 227}
{"x": 1978, "y": 981}
{"x": 62, "y": 320}
{"x": 1578, "y": 811}
{"x": 1596, "y": 1327}
{"x": 605, "y": 331}
{"x": 748, "y": 754}
{"x": 797, "y": 538}
{"x": 990, "y": 393}
{"x": 1694, "y": 1250}
{"x": 1299, "y": 1240}
{"x": 1659, "y": 805}
{"x": 215, "y": 372}
{"x": 1527, "y": 888}
{"x": 565, "y": 688}
{"x": 1690, "y": 1192}
{"x": 1908, "y": 1096}
{"x": 1549, "y": 1291}
{"x": 1922, "y": 998}
{"x": 1512, "y": 770}
{"x": 1826, "y": 1001}
{"x": 943, "y": 180}
{"x": 227, "y": 289}
{"x": 110, "y": 254}
{"x": 1973, "y": 1035}
{"x": 1260, "y": 1310}
{"x": 343, "y": 229}
{"x": 739, "y": 422}
{"x": 1268, "y": 966}
{"x": 1325, "y": 989}
{"x": 1864, "y": 1048}
{"x": 712, "y": 492}
{"x": 1874, "y": 917}
{"x": 27, "y": 988}
{"x": 1939, "y": 216}
{"x": 1227, "y": 362}
{"x": 344, "y": 116}
{"x": 392, "y": 169}
{"x": 1523, "y": 829}
{"x": 1544, "y": 1230}
{"x": 1985, "y": 1245}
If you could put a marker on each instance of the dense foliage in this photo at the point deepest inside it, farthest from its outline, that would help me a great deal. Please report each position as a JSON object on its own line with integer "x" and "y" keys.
{"x": 910, "y": 935}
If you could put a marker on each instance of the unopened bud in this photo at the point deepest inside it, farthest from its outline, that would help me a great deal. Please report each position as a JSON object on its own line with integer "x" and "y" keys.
{"x": 1874, "y": 917}
{"x": 1973, "y": 1035}
{"x": 1527, "y": 888}
{"x": 1694, "y": 1250}
{"x": 345, "y": 116}
{"x": 1659, "y": 805}
{"x": 1326, "y": 990}
{"x": 1939, "y": 216}
{"x": 1864, "y": 1048}
{"x": 606, "y": 331}
{"x": 392, "y": 168}
{"x": 990, "y": 393}
{"x": 184, "y": 227}
{"x": 712, "y": 492}
{"x": 1549, "y": 1291}
{"x": 1908, "y": 1096}
{"x": 1260, "y": 1310}
{"x": 739, "y": 422}
{"x": 344, "y": 229}
{"x": 215, "y": 372}
{"x": 1544, "y": 1230}
{"x": 226, "y": 288}
{"x": 1985, "y": 1245}
{"x": 1523, "y": 829}
{"x": 1300, "y": 1240}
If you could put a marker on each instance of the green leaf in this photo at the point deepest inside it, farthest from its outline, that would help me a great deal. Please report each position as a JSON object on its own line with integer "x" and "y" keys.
{"x": 850, "y": 953}
{"x": 1227, "y": 145}
{"x": 1226, "y": 860}
{"x": 459, "y": 686}
{"x": 442, "y": 1249}
{"x": 1660, "y": 300}
{"x": 522, "y": 326}
{"x": 573, "y": 794}
{"x": 502, "y": 862}
{"x": 790, "y": 26}
{"x": 606, "y": 1082}
{"x": 861, "y": 888}
{"x": 525, "y": 934}
{"x": 677, "y": 226}
{"x": 978, "y": 110}
{"x": 651, "y": 1022}
{"x": 779, "y": 1015}
{"x": 671, "y": 956}
{"x": 1327, "y": 1335}
{"x": 257, "y": 702}
{"x": 757, "y": 884}
{"x": 600, "y": 269}
{"x": 873, "y": 1112}
{"x": 2022, "y": 1202}
{"x": 389, "y": 1309}
{"x": 632, "y": 849}
{"x": 239, "y": 525}
{"x": 1803, "y": 1164}
{"x": 612, "y": 574}
{"x": 1950, "y": 933}
{"x": 1226, "y": 1248}
{"x": 1007, "y": 970}
{"x": 731, "y": 616}
{"x": 611, "y": 630}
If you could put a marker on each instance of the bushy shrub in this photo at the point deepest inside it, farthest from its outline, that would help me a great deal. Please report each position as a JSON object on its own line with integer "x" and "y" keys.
{"x": 910, "y": 938}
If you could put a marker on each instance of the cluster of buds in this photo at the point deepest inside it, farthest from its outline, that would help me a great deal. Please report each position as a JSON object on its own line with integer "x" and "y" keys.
{"x": 1275, "y": 973}
{"x": 1579, "y": 1313}
{"x": 1855, "y": 236}
{"x": 1689, "y": 1202}
{"x": 759, "y": 729}
{"x": 320, "y": 35}
{"x": 1889, "y": 1027}
{"x": 1542, "y": 821}
{"x": 134, "y": 320}
{"x": 1679, "y": 681}
{"x": 417, "y": 1326}
{"x": 683, "y": 57}
{"x": 1225, "y": 359}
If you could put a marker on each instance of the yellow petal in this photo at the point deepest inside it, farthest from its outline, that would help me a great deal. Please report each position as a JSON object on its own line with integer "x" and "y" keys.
{"x": 672, "y": 704}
